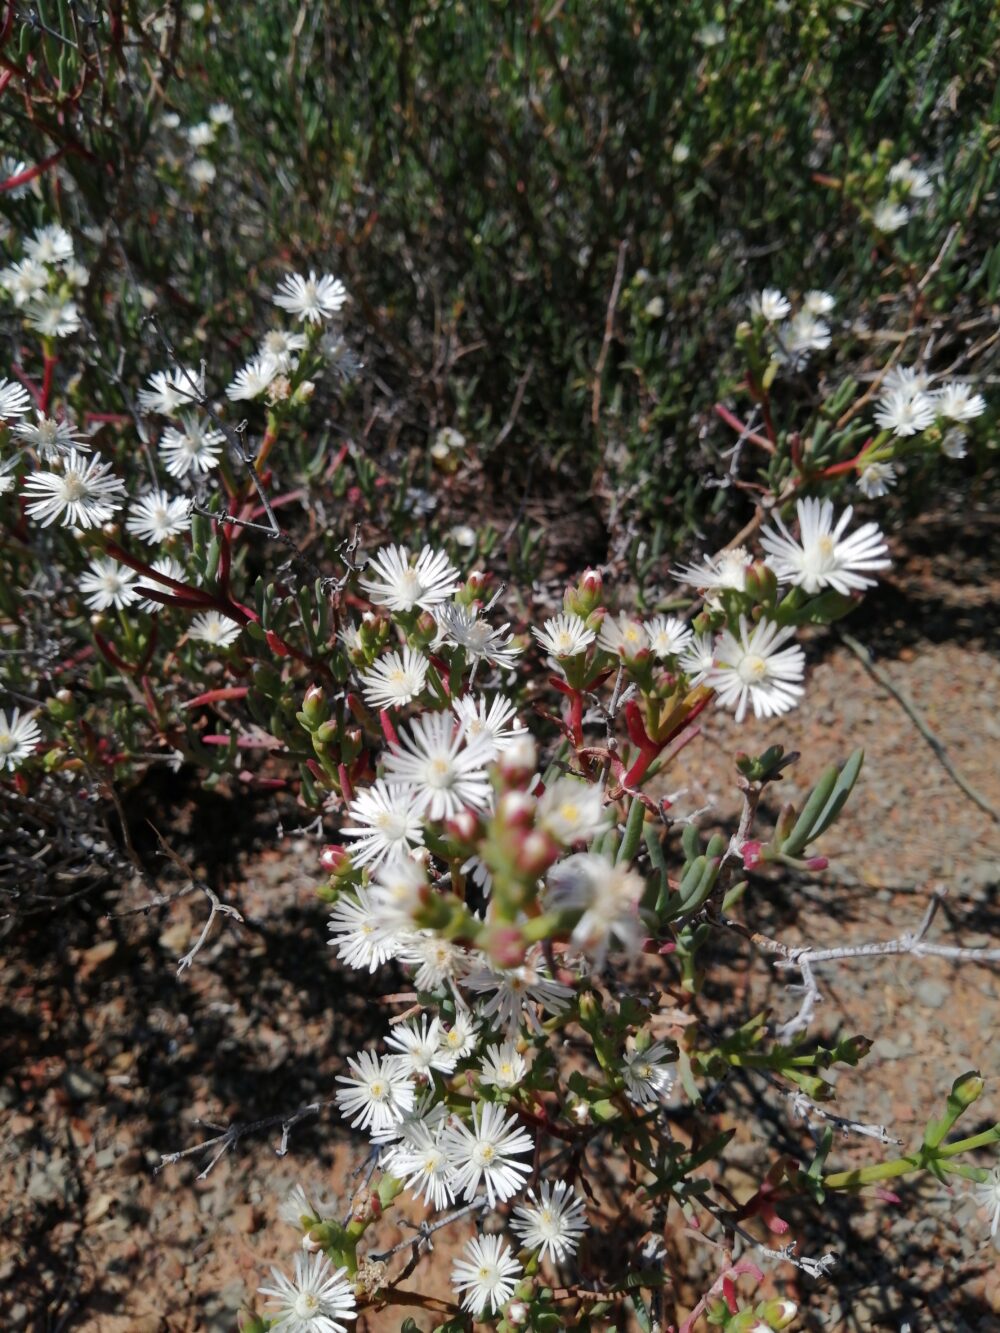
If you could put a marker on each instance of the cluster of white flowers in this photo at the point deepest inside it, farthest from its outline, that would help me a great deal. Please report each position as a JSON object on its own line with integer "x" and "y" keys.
{"x": 272, "y": 372}
{"x": 908, "y": 406}
{"x": 796, "y": 336}
{"x": 480, "y": 1020}
{"x": 43, "y": 284}
{"x": 907, "y": 185}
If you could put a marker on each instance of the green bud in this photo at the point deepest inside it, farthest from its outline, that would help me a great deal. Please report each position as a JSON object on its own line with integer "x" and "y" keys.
{"x": 314, "y": 709}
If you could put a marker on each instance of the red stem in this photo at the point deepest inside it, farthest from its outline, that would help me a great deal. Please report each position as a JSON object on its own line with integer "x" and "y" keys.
{"x": 29, "y": 174}
{"x": 732, "y": 420}
{"x": 47, "y": 373}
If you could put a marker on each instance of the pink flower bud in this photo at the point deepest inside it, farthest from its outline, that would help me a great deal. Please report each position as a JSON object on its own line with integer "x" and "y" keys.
{"x": 537, "y": 851}
{"x": 505, "y": 947}
{"x": 516, "y": 809}
{"x": 463, "y": 827}
{"x": 332, "y": 857}
{"x": 751, "y": 854}
{"x": 817, "y": 863}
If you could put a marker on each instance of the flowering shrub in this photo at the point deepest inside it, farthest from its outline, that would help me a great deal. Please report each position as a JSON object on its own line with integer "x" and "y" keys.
{"x": 494, "y": 783}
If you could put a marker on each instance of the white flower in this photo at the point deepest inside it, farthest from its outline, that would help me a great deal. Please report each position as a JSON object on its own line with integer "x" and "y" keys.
{"x": 818, "y": 303}
{"x": 488, "y": 719}
{"x": 8, "y": 480}
{"x": 480, "y": 641}
{"x": 572, "y": 811}
{"x": 957, "y": 402}
{"x": 422, "y": 1163}
{"x": 802, "y": 334}
{"x": 444, "y": 771}
{"x": 164, "y": 564}
{"x": 24, "y": 282}
{"x": 18, "y": 738}
{"x": 987, "y": 1194}
{"x": 911, "y": 180}
{"x": 513, "y": 990}
{"x": 10, "y": 169}
{"x": 319, "y": 1300}
{"x": 379, "y": 1094}
{"x": 624, "y": 637}
{"x": 487, "y": 1276}
{"x": 214, "y": 628}
{"x": 485, "y": 1154}
{"x": 399, "y": 888}
{"x": 564, "y": 635}
{"x": 421, "y": 1048}
{"x": 202, "y": 171}
{"x": 403, "y": 584}
{"x": 157, "y": 516}
{"x": 451, "y": 438}
{"x": 771, "y": 304}
{"x": 281, "y": 348}
{"x": 698, "y": 658}
{"x": 84, "y": 494}
{"x": 312, "y": 298}
{"x": 297, "y": 1208}
{"x": 221, "y": 113}
{"x": 395, "y": 680}
{"x": 552, "y": 1224}
{"x": 196, "y": 448}
{"x": 888, "y": 217}
{"x": 728, "y": 569}
{"x": 607, "y": 897}
{"x": 253, "y": 379}
{"x": 49, "y": 438}
{"x": 53, "y": 317}
{"x": 907, "y": 380}
{"x": 460, "y": 1038}
{"x": 953, "y": 444}
{"x": 200, "y": 135}
{"x": 668, "y": 636}
{"x": 108, "y": 584}
{"x": 649, "y": 1074}
{"x": 875, "y": 480}
{"x": 386, "y": 822}
{"x": 362, "y": 939}
{"x": 172, "y": 389}
{"x": 50, "y": 245}
{"x": 76, "y": 274}
{"x": 823, "y": 557}
{"x": 14, "y": 400}
{"x": 754, "y": 669}
{"x": 438, "y": 961}
{"x": 502, "y": 1066}
{"x": 905, "y": 413}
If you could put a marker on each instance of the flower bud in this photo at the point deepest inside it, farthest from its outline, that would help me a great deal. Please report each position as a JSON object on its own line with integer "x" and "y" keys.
{"x": 516, "y": 810}
{"x": 477, "y": 582}
{"x": 761, "y": 583}
{"x": 751, "y": 854}
{"x": 314, "y": 706}
{"x": 535, "y": 853}
{"x": 504, "y": 946}
{"x": 585, "y": 597}
{"x": 517, "y": 1314}
{"x": 463, "y": 827}
{"x": 777, "y": 1314}
{"x": 332, "y": 858}
{"x": 519, "y": 761}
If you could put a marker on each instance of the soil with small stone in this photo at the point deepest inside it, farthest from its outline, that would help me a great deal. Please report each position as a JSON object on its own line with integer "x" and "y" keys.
{"x": 113, "y": 1060}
